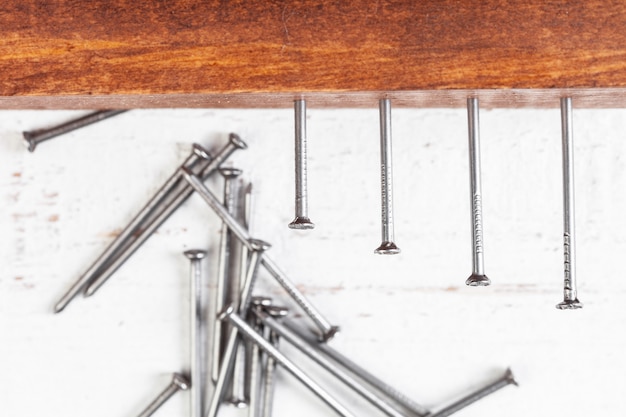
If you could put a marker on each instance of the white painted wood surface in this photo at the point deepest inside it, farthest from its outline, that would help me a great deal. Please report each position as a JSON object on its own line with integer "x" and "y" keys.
{"x": 409, "y": 318}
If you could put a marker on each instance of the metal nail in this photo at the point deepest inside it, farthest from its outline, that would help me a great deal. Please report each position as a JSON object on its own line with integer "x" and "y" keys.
{"x": 35, "y": 137}
{"x": 478, "y": 277}
{"x": 198, "y": 157}
{"x": 223, "y": 272}
{"x": 506, "y": 379}
{"x": 197, "y": 347}
{"x": 253, "y": 359}
{"x": 179, "y": 382}
{"x": 285, "y": 362}
{"x": 302, "y": 220}
{"x": 375, "y": 382}
{"x": 387, "y": 247}
{"x": 228, "y": 361}
{"x": 266, "y": 400}
{"x": 146, "y": 230}
{"x": 570, "y": 292}
{"x": 384, "y": 406}
{"x": 328, "y": 331}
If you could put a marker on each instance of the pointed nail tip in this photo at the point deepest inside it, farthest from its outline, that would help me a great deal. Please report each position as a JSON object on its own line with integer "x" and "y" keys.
{"x": 301, "y": 223}
{"x": 387, "y": 248}
{"x": 569, "y": 305}
{"x": 476, "y": 280}
{"x": 58, "y": 308}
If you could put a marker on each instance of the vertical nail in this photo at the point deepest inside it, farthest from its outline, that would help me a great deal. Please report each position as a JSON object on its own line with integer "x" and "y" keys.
{"x": 199, "y": 156}
{"x": 387, "y": 247}
{"x": 35, "y": 137}
{"x": 478, "y": 277}
{"x": 269, "y": 375}
{"x": 228, "y": 361}
{"x": 570, "y": 292}
{"x": 221, "y": 298}
{"x": 197, "y": 347}
{"x": 179, "y": 382}
{"x": 147, "y": 229}
{"x": 302, "y": 220}
{"x": 285, "y": 363}
{"x": 506, "y": 379}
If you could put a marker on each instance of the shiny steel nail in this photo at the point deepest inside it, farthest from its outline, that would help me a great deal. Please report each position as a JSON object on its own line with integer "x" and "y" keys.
{"x": 267, "y": 347}
{"x": 35, "y": 137}
{"x": 228, "y": 361}
{"x": 163, "y": 214}
{"x": 268, "y": 376}
{"x": 302, "y": 220}
{"x": 478, "y": 277}
{"x": 378, "y": 402}
{"x": 179, "y": 382}
{"x": 506, "y": 379}
{"x": 198, "y": 157}
{"x": 375, "y": 382}
{"x": 328, "y": 331}
{"x": 197, "y": 347}
{"x": 223, "y": 272}
{"x": 570, "y": 292}
{"x": 387, "y": 247}
{"x": 252, "y": 362}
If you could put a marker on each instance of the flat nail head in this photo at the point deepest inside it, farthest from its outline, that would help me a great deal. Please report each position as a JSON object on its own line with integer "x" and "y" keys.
{"x": 329, "y": 334}
{"x": 201, "y": 152}
{"x": 569, "y": 305}
{"x": 229, "y": 172}
{"x": 261, "y": 301}
{"x": 387, "y": 248}
{"x": 510, "y": 378}
{"x": 276, "y": 311}
{"x": 237, "y": 141}
{"x": 259, "y": 245}
{"x": 476, "y": 280}
{"x": 301, "y": 223}
{"x": 29, "y": 142}
{"x": 195, "y": 253}
{"x": 181, "y": 381}
{"x": 226, "y": 312}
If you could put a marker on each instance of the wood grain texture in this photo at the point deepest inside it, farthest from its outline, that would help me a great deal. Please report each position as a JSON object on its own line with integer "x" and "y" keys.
{"x": 71, "y": 53}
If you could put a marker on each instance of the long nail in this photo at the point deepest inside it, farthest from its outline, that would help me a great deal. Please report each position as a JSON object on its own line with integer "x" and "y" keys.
{"x": 308, "y": 350}
{"x": 223, "y": 272}
{"x": 228, "y": 361}
{"x": 199, "y": 156}
{"x": 163, "y": 214}
{"x": 285, "y": 363}
{"x": 179, "y": 382}
{"x": 35, "y": 137}
{"x": 328, "y": 331}
{"x": 253, "y": 357}
{"x": 570, "y": 292}
{"x": 506, "y": 379}
{"x": 375, "y": 382}
{"x": 302, "y": 220}
{"x": 269, "y": 373}
{"x": 197, "y": 347}
{"x": 388, "y": 246}
{"x": 478, "y": 277}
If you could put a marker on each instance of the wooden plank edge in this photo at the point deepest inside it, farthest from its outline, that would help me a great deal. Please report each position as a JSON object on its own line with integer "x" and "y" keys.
{"x": 499, "y": 98}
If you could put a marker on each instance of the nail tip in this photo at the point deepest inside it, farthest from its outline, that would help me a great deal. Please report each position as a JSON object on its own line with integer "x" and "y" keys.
{"x": 476, "y": 280}
{"x": 387, "y": 248}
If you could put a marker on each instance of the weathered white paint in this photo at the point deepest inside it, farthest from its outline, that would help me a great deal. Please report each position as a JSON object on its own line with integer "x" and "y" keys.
{"x": 409, "y": 318}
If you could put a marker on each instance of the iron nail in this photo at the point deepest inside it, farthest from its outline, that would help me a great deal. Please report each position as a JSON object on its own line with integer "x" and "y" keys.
{"x": 301, "y": 221}
{"x": 179, "y": 383}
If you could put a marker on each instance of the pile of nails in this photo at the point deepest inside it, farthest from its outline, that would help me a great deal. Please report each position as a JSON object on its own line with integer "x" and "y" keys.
{"x": 240, "y": 363}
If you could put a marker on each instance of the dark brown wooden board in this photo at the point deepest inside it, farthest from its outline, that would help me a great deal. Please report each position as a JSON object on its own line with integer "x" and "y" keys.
{"x": 200, "y": 53}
